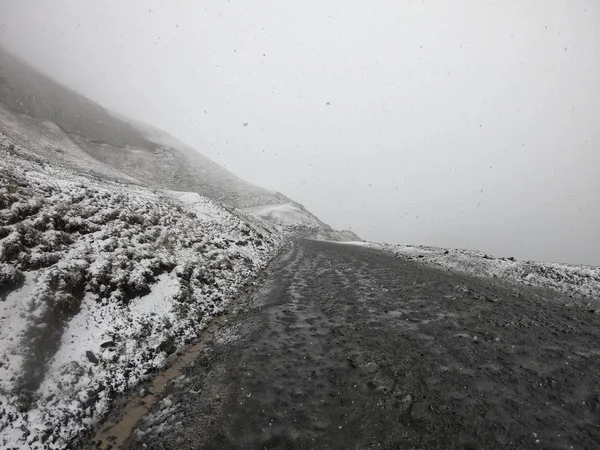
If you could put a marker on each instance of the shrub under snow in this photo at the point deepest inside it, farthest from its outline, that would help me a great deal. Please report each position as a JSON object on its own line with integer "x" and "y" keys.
{"x": 99, "y": 282}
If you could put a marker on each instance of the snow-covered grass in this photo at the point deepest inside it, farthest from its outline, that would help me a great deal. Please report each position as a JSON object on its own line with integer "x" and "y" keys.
{"x": 292, "y": 216}
{"x": 575, "y": 282}
{"x": 287, "y": 214}
{"x": 100, "y": 281}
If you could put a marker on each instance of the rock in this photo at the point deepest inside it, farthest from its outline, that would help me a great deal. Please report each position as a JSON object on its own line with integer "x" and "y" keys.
{"x": 167, "y": 346}
{"x": 150, "y": 371}
{"x": 108, "y": 344}
{"x": 91, "y": 357}
{"x": 91, "y": 400}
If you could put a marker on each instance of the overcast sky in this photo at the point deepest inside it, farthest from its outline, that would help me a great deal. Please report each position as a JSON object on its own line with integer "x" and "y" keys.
{"x": 464, "y": 124}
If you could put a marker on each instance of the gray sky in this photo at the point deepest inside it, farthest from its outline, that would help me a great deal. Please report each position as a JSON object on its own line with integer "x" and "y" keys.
{"x": 465, "y": 124}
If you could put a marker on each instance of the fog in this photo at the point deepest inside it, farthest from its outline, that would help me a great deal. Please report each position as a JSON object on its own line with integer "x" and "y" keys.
{"x": 459, "y": 124}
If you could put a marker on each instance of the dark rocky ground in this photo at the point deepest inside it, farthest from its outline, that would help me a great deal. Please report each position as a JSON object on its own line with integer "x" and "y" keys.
{"x": 347, "y": 347}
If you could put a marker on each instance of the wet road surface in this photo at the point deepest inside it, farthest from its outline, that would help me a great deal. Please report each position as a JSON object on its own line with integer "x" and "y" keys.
{"x": 346, "y": 347}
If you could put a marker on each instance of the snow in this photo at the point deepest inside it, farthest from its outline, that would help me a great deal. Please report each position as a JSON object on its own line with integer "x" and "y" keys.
{"x": 573, "y": 281}
{"x": 204, "y": 208}
{"x": 115, "y": 277}
{"x": 13, "y": 323}
{"x": 287, "y": 214}
{"x": 102, "y": 278}
{"x": 87, "y": 330}
{"x": 48, "y": 140}
{"x": 159, "y": 300}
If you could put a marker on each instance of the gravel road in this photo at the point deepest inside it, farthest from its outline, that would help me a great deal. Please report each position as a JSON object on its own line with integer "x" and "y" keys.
{"x": 347, "y": 347}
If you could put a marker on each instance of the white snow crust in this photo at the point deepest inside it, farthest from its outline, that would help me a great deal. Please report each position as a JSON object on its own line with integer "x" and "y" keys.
{"x": 100, "y": 281}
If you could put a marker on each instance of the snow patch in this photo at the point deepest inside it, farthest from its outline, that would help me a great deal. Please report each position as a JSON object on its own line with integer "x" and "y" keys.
{"x": 102, "y": 281}
{"x": 287, "y": 214}
{"x": 571, "y": 280}
{"x": 159, "y": 301}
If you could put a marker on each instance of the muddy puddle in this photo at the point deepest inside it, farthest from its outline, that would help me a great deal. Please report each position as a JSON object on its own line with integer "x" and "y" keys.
{"x": 114, "y": 433}
{"x": 119, "y": 426}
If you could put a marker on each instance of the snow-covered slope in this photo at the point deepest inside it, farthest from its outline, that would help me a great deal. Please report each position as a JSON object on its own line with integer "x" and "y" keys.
{"x": 336, "y": 236}
{"x": 49, "y": 142}
{"x": 581, "y": 283}
{"x": 288, "y": 214}
{"x": 140, "y": 151}
{"x": 295, "y": 217}
{"x": 118, "y": 244}
{"x": 100, "y": 280}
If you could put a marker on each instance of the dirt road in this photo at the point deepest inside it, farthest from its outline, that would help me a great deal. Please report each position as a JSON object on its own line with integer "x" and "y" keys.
{"x": 350, "y": 348}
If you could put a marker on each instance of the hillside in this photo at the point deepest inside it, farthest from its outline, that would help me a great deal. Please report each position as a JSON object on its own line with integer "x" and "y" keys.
{"x": 119, "y": 244}
{"x": 145, "y": 153}
{"x": 100, "y": 281}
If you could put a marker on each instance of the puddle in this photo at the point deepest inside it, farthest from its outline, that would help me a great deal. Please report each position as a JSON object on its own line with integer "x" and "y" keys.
{"x": 119, "y": 427}
{"x": 113, "y": 434}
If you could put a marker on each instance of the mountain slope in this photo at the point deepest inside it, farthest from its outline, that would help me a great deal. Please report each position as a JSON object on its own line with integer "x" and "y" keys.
{"x": 150, "y": 155}
{"x": 118, "y": 245}
{"x": 100, "y": 281}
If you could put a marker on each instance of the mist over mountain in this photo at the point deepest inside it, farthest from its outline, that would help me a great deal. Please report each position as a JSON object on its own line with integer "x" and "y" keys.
{"x": 134, "y": 149}
{"x": 118, "y": 245}
{"x": 152, "y": 298}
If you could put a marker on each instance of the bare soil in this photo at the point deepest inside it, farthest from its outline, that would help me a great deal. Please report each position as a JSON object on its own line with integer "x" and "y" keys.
{"x": 351, "y": 348}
